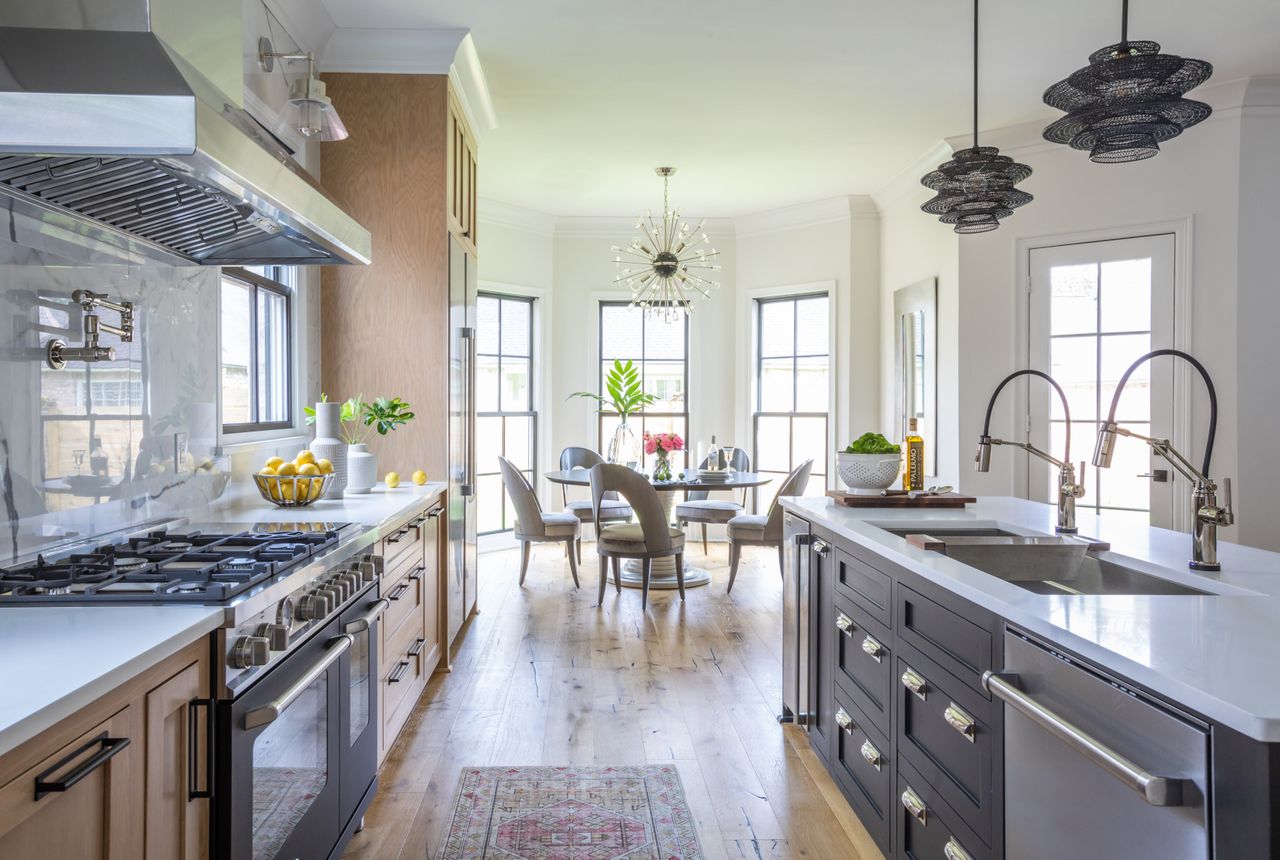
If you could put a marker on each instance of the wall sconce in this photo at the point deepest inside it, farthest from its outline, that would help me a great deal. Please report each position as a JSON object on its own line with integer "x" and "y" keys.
{"x": 58, "y": 353}
{"x": 317, "y": 116}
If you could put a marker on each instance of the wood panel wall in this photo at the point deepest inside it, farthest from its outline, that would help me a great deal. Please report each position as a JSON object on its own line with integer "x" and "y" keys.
{"x": 385, "y": 326}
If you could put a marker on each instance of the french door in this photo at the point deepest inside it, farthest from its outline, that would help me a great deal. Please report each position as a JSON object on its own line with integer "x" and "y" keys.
{"x": 1095, "y": 307}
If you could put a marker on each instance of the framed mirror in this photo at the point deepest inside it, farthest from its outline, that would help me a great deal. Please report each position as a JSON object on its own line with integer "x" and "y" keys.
{"x": 915, "y": 315}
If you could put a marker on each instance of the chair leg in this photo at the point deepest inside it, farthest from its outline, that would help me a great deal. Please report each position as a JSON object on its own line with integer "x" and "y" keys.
{"x": 680, "y": 572}
{"x": 782, "y": 562}
{"x": 578, "y": 542}
{"x": 646, "y": 567}
{"x": 604, "y": 579}
{"x": 526, "y": 548}
{"x": 704, "y": 539}
{"x": 735, "y": 551}
{"x": 617, "y": 575}
{"x": 573, "y": 563}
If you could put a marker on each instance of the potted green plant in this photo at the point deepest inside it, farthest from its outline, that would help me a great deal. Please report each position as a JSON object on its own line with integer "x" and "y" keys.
{"x": 357, "y": 418}
{"x": 626, "y": 396}
{"x": 870, "y": 464}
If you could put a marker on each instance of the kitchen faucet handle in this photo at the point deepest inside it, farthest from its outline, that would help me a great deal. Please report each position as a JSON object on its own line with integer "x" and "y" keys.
{"x": 1230, "y": 515}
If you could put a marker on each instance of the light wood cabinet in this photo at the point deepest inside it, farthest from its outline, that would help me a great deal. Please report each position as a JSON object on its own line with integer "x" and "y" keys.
{"x": 114, "y": 780}
{"x": 461, "y": 176}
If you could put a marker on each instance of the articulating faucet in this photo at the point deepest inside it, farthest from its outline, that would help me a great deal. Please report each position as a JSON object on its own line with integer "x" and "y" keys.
{"x": 1207, "y": 513}
{"x": 1068, "y": 489}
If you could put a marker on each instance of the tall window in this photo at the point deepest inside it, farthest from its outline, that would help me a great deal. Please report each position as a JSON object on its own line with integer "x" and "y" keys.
{"x": 506, "y": 423}
{"x": 793, "y": 369}
{"x": 256, "y": 367}
{"x": 659, "y": 347}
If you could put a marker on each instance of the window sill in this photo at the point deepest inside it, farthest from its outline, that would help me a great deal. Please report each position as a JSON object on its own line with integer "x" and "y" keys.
{"x": 236, "y": 443}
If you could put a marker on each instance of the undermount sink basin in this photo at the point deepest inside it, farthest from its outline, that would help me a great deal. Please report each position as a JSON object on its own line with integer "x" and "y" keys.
{"x": 980, "y": 531}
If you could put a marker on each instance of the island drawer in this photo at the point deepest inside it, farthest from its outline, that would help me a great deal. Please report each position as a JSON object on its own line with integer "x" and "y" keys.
{"x": 864, "y": 585}
{"x": 926, "y": 827}
{"x": 956, "y": 643}
{"x": 862, "y": 765}
{"x": 403, "y": 542}
{"x": 944, "y": 730}
{"x": 863, "y": 661}
{"x": 405, "y": 595}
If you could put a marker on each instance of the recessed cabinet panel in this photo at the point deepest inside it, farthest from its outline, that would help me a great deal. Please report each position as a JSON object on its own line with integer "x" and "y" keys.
{"x": 863, "y": 765}
{"x": 927, "y": 828}
{"x": 863, "y": 584}
{"x": 960, "y": 646}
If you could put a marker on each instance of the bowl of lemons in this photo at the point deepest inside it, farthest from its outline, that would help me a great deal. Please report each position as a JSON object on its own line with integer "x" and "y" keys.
{"x": 294, "y": 483}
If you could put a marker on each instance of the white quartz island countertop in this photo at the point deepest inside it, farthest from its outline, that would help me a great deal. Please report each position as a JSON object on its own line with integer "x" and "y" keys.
{"x": 1214, "y": 654}
{"x": 59, "y": 659}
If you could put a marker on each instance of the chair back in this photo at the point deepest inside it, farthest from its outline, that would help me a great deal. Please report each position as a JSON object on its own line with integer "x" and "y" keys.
{"x": 794, "y": 485}
{"x": 576, "y": 457}
{"x": 523, "y": 499}
{"x": 640, "y": 495}
{"x": 739, "y": 461}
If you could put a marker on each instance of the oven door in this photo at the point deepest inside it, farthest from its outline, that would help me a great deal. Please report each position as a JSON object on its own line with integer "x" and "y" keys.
{"x": 284, "y": 755}
{"x": 358, "y": 671}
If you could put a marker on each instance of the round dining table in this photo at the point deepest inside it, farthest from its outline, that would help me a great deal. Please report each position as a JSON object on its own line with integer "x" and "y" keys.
{"x": 663, "y": 574}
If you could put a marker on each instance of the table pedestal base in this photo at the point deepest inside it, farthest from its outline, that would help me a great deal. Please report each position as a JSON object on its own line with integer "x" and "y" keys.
{"x": 663, "y": 574}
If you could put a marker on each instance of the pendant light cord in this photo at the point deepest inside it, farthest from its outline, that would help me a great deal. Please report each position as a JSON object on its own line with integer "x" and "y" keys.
{"x": 1124, "y": 22}
{"x": 975, "y": 72}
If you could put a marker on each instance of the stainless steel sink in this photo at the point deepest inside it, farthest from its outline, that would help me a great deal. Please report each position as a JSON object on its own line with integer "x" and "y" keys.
{"x": 949, "y": 532}
{"x": 1100, "y": 575}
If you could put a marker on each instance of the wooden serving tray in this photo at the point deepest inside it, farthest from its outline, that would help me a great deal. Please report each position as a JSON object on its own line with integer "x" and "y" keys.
{"x": 900, "y": 500}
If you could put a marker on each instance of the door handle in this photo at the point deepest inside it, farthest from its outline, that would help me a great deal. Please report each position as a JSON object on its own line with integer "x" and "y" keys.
{"x": 915, "y": 806}
{"x": 1155, "y": 790}
{"x": 915, "y": 683}
{"x": 953, "y": 850}
{"x": 961, "y": 722}
{"x": 271, "y": 711}
{"x": 844, "y": 721}
{"x": 1159, "y": 476}
{"x": 193, "y": 756}
{"x": 871, "y": 755}
{"x": 845, "y": 624}
{"x": 364, "y": 622}
{"x": 110, "y": 747}
{"x": 873, "y": 649}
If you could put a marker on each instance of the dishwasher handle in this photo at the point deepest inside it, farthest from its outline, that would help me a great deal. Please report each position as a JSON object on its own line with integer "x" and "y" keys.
{"x": 1155, "y": 790}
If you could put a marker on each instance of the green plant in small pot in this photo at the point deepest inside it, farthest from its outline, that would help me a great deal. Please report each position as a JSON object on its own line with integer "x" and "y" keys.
{"x": 870, "y": 464}
{"x": 381, "y": 415}
{"x": 626, "y": 397}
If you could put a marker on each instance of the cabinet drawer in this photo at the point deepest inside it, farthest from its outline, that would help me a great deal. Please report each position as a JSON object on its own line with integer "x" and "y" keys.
{"x": 403, "y": 542}
{"x": 402, "y": 674}
{"x": 863, "y": 769}
{"x": 960, "y": 646}
{"x": 864, "y": 585}
{"x": 926, "y": 827}
{"x": 944, "y": 730}
{"x": 405, "y": 596}
{"x": 863, "y": 662}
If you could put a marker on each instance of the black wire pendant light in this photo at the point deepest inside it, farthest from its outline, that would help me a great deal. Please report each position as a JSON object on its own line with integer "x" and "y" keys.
{"x": 1127, "y": 101}
{"x": 975, "y": 189}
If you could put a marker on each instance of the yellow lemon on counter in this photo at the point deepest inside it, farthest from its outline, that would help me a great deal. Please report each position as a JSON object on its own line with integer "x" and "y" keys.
{"x": 308, "y": 469}
{"x": 392, "y": 479}
{"x": 325, "y": 467}
{"x": 304, "y": 457}
{"x": 286, "y": 469}
{"x": 267, "y": 470}
{"x": 286, "y": 490}
{"x": 274, "y": 462}
{"x": 316, "y": 486}
{"x": 419, "y": 477}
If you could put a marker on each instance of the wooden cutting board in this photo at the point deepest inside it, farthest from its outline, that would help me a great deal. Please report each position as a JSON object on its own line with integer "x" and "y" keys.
{"x": 902, "y": 500}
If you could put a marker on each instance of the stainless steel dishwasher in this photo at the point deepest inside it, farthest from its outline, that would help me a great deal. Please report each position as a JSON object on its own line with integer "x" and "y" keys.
{"x": 1093, "y": 768}
{"x": 795, "y": 620}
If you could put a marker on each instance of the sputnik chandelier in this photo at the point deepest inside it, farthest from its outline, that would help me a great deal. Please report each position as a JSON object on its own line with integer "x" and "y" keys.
{"x": 662, "y": 267}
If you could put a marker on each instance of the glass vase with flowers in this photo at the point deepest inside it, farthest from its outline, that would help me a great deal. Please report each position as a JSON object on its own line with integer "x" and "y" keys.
{"x": 661, "y": 446}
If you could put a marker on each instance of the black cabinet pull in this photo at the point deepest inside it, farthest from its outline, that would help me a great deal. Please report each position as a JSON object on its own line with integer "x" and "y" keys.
{"x": 416, "y": 648}
{"x": 434, "y": 513}
{"x": 399, "y": 534}
{"x": 193, "y": 755}
{"x": 398, "y": 672}
{"x": 418, "y": 571}
{"x": 110, "y": 747}
{"x": 398, "y": 592}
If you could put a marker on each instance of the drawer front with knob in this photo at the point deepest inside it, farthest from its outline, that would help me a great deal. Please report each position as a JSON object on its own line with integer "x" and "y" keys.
{"x": 401, "y": 543}
{"x": 862, "y": 767}
{"x": 859, "y": 582}
{"x": 405, "y": 597}
{"x": 927, "y": 828}
{"x": 942, "y": 730}
{"x": 863, "y": 662}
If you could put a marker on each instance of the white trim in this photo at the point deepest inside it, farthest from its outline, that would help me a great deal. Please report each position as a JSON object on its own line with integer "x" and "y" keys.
{"x": 592, "y": 227}
{"x": 809, "y": 214}
{"x": 423, "y": 52}
{"x": 471, "y": 88}
{"x": 508, "y": 215}
{"x": 907, "y": 180}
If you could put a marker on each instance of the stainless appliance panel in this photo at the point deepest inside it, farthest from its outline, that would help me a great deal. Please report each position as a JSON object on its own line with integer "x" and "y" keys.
{"x": 1066, "y": 725}
{"x": 461, "y": 553}
{"x": 795, "y": 619}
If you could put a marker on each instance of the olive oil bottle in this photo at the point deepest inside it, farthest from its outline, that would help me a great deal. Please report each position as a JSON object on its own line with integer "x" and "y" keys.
{"x": 913, "y": 457}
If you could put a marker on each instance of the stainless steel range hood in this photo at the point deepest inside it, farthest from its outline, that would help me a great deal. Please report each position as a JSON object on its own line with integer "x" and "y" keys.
{"x": 121, "y": 120}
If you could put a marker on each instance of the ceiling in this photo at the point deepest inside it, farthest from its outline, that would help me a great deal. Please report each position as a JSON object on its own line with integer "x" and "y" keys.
{"x": 762, "y": 104}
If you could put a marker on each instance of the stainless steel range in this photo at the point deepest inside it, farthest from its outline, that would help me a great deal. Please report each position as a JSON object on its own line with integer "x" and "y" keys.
{"x": 294, "y": 739}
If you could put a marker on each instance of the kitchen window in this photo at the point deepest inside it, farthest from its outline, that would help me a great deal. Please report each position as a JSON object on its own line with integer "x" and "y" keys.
{"x": 506, "y": 421}
{"x": 256, "y": 366}
{"x": 793, "y": 389}
{"x": 660, "y": 348}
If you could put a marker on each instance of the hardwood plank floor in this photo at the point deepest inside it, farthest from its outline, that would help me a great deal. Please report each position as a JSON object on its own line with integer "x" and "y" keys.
{"x": 544, "y": 677}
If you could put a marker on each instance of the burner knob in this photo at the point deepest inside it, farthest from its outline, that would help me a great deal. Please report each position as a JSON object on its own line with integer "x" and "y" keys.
{"x": 249, "y": 651}
{"x": 312, "y": 606}
{"x": 368, "y": 570}
{"x": 277, "y": 635}
{"x": 354, "y": 580}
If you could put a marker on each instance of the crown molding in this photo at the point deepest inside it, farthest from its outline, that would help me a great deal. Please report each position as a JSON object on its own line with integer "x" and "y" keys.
{"x": 907, "y": 181}
{"x": 472, "y": 87}
{"x": 811, "y": 214}
{"x": 420, "y": 52}
{"x": 498, "y": 214}
{"x": 594, "y": 227}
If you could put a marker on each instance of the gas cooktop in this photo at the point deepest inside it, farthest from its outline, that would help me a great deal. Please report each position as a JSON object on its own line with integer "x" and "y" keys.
{"x": 161, "y": 567}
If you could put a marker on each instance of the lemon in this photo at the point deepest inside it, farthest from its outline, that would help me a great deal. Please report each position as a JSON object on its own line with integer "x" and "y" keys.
{"x": 286, "y": 489}
{"x": 325, "y": 467}
{"x": 308, "y": 469}
{"x": 304, "y": 457}
{"x": 274, "y": 462}
{"x": 392, "y": 479}
{"x": 267, "y": 470}
{"x": 316, "y": 487}
{"x": 419, "y": 477}
{"x": 286, "y": 469}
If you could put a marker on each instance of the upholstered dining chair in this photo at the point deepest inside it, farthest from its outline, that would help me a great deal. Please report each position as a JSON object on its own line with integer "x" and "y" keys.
{"x": 698, "y": 508}
{"x": 653, "y": 537}
{"x": 533, "y": 526}
{"x": 612, "y": 509}
{"x": 765, "y": 529}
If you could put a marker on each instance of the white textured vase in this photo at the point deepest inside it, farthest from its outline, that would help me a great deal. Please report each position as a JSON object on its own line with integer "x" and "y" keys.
{"x": 328, "y": 446}
{"x": 362, "y": 469}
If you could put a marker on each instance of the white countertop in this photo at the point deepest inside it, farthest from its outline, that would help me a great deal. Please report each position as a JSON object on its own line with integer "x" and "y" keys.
{"x": 57, "y": 659}
{"x": 1215, "y": 654}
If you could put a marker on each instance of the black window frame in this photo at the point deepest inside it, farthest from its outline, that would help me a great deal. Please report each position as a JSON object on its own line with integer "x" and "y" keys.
{"x": 256, "y": 282}
{"x": 602, "y": 443}
{"x": 504, "y": 414}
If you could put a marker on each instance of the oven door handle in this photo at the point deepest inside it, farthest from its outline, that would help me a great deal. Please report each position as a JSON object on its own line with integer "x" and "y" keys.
{"x": 364, "y": 622}
{"x": 269, "y": 712}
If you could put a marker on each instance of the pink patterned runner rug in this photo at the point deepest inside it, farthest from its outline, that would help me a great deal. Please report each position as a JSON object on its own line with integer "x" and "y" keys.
{"x": 571, "y": 813}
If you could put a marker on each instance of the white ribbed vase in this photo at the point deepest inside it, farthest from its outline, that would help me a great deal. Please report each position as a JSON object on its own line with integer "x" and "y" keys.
{"x": 328, "y": 446}
{"x": 362, "y": 469}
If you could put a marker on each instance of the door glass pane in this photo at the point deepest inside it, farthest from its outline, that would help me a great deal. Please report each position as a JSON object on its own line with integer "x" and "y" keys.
{"x": 1074, "y": 299}
{"x": 358, "y": 718}
{"x": 1120, "y": 485}
{"x": 1073, "y": 363}
{"x": 1126, "y": 295}
{"x": 1118, "y": 353}
{"x": 290, "y": 767}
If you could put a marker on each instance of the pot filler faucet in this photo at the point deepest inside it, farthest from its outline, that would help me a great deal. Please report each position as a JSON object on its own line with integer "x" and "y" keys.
{"x": 1068, "y": 489}
{"x": 1206, "y": 511}
{"x": 58, "y": 353}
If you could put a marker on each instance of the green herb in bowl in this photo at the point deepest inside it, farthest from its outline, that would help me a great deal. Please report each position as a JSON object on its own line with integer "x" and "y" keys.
{"x": 872, "y": 443}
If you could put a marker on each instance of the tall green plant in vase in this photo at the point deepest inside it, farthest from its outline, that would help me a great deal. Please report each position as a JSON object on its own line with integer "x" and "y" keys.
{"x": 625, "y": 396}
